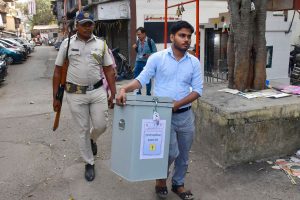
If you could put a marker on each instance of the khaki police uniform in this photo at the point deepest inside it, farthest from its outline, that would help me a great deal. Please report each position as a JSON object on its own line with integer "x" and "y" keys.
{"x": 85, "y": 62}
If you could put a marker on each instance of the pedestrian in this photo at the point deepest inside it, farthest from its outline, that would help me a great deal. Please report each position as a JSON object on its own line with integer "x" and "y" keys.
{"x": 144, "y": 47}
{"x": 86, "y": 97}
{"x": 177, "y": 75}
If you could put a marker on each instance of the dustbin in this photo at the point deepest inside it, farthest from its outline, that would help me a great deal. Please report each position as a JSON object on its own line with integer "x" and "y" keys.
{"x": 140, "y": 141}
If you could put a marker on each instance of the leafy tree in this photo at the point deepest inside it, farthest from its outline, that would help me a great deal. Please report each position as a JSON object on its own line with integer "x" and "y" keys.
{"x": 43, "y": 14}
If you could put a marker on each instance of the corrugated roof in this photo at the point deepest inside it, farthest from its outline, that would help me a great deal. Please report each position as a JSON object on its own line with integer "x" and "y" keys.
{"x": 44, "y": 27}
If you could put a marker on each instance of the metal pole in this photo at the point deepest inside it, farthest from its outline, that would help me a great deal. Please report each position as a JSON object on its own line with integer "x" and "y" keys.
{"x": 197, "y": 22}
{"x": 197, "y": 29}
{"x": 79, "y": 5}
{"x": 166, "y": 25}
{"x": 132, "y": 31}
{"x": 182, "y": 3}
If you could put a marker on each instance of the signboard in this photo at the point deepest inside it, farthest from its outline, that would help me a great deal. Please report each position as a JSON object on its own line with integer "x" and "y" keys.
{"x": 113, "y": 10}
{"x": 161, "y": 18}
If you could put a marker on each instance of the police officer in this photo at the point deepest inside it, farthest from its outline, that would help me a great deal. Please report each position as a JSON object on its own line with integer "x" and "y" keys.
{"x": 86, "y": 97}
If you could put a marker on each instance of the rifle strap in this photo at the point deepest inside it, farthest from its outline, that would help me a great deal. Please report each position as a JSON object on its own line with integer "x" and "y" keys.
{"x": 69, "y": 38}
{"x": 104, "y": 49}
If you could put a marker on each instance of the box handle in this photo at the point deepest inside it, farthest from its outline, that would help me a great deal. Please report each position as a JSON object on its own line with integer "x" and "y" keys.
{"x": 122, "y": 124}
{"x": 155, "y": 99}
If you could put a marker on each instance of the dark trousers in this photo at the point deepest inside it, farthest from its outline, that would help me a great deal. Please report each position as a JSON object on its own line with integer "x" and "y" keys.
{"x": 139, "y": 66}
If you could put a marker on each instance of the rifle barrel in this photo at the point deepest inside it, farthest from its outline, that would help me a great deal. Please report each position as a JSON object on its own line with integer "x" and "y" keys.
{"x": 56, "y": 121}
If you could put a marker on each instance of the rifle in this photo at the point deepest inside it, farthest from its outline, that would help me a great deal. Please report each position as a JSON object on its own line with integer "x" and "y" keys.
{"x": 60, "y": 93}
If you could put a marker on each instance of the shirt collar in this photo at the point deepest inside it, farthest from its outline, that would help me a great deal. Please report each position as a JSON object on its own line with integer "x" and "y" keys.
{"x": 146, "y": 38}
{"x": 92, "y": 37}
{"x": 170, "y": 52}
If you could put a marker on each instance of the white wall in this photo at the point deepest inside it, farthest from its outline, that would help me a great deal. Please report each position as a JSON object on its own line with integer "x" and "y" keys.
{"x": 207, "y": 10}
{"x": 281, "y": 52}
{"x": 275, "y": 29}
{"x": 277, "y": 37}
{"x": 295, "y": 38}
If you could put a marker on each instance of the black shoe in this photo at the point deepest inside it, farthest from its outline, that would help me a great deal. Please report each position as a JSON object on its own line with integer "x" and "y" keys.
{"x": 94, "y": 147}
{"x": 89, "y": 172}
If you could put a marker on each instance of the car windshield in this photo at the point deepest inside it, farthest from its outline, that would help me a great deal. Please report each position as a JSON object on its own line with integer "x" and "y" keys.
{"x": 13, "y": 41}
{"x": 7, "y": 41}
{"x": 3, "y": 44}
{"x": 18, "y": 40}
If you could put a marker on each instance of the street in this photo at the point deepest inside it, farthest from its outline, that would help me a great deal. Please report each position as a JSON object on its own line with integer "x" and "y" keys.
{"x": 39, "y": 164}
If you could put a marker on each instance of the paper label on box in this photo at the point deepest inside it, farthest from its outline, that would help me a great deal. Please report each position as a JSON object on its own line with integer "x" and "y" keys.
{"x": 152, "y": 139}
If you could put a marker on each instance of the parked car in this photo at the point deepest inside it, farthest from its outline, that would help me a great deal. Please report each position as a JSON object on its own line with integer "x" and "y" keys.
{"x": 32, "y": 43}
{"x": 17, "y": 44}
{"x": 15, "y": 47}
{"x": 12, "y": 55}
{"x": 25, "y": 43}
{"x": 3, "y": 68}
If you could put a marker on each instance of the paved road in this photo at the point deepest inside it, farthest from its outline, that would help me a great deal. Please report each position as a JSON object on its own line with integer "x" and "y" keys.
{"x": 36, "y": 163}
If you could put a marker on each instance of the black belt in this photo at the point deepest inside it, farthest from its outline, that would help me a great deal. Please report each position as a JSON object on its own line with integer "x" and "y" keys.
{"x": 95, "y": 86}
{"x": 181, "y": 110}
{"x": 78, "y": 89}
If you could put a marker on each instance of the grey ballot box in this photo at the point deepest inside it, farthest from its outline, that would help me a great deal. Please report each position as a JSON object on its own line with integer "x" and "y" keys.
{"x": 140, "y": 144}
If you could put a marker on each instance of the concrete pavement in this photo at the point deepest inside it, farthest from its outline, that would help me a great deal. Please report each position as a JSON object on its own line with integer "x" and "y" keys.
{"x": 37, "y": 163}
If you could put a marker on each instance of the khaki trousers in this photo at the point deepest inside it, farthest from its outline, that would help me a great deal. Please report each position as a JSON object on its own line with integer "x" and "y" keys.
{"x": 85, "y": 108}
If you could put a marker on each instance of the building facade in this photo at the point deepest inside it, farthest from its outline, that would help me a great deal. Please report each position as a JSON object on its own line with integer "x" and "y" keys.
{"x": 10, "y": 19}
{"x": 114, "y": 20}
{"x": 282, "y": 31}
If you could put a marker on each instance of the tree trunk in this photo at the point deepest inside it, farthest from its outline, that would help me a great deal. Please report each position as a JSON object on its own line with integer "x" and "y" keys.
{"x": 230, "y": 60}
{"x": 247, "y": 45}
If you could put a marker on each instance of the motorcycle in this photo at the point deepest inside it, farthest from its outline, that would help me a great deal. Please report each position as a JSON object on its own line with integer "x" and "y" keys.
{"x": 294, "y": 65}
{"x": 124, "y": 70}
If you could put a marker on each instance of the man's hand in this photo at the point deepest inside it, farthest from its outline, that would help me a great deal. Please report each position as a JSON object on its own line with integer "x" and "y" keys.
{"x": 146, "y": 56}
{"x": 121, "y": 98}
{"x": 186, "y": 100}
{"x": 56, "y": 105}
{"x": 176, "y": 106}
{"x": 110, "y": 102}
{"x": 134, "y": 46}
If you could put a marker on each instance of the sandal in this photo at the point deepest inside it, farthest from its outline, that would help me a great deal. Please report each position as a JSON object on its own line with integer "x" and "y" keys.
{"x": 187, "y": 195}
{"x": 161, "y": 192}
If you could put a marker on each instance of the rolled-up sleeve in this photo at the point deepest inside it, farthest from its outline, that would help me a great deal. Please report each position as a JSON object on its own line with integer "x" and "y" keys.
{"x": 107, "y": 61}
{"x": 148, "y": 71}
{"x": 197, "y": 81}
{"x": 61, "y": 53}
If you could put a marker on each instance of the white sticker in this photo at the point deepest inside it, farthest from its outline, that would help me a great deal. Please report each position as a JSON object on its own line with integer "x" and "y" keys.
{"x": 152, "y": 139}
{"x": 156, "y": 117}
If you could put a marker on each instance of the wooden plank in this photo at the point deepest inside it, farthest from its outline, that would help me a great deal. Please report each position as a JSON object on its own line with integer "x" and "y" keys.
{"x": 276, "y": 5}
